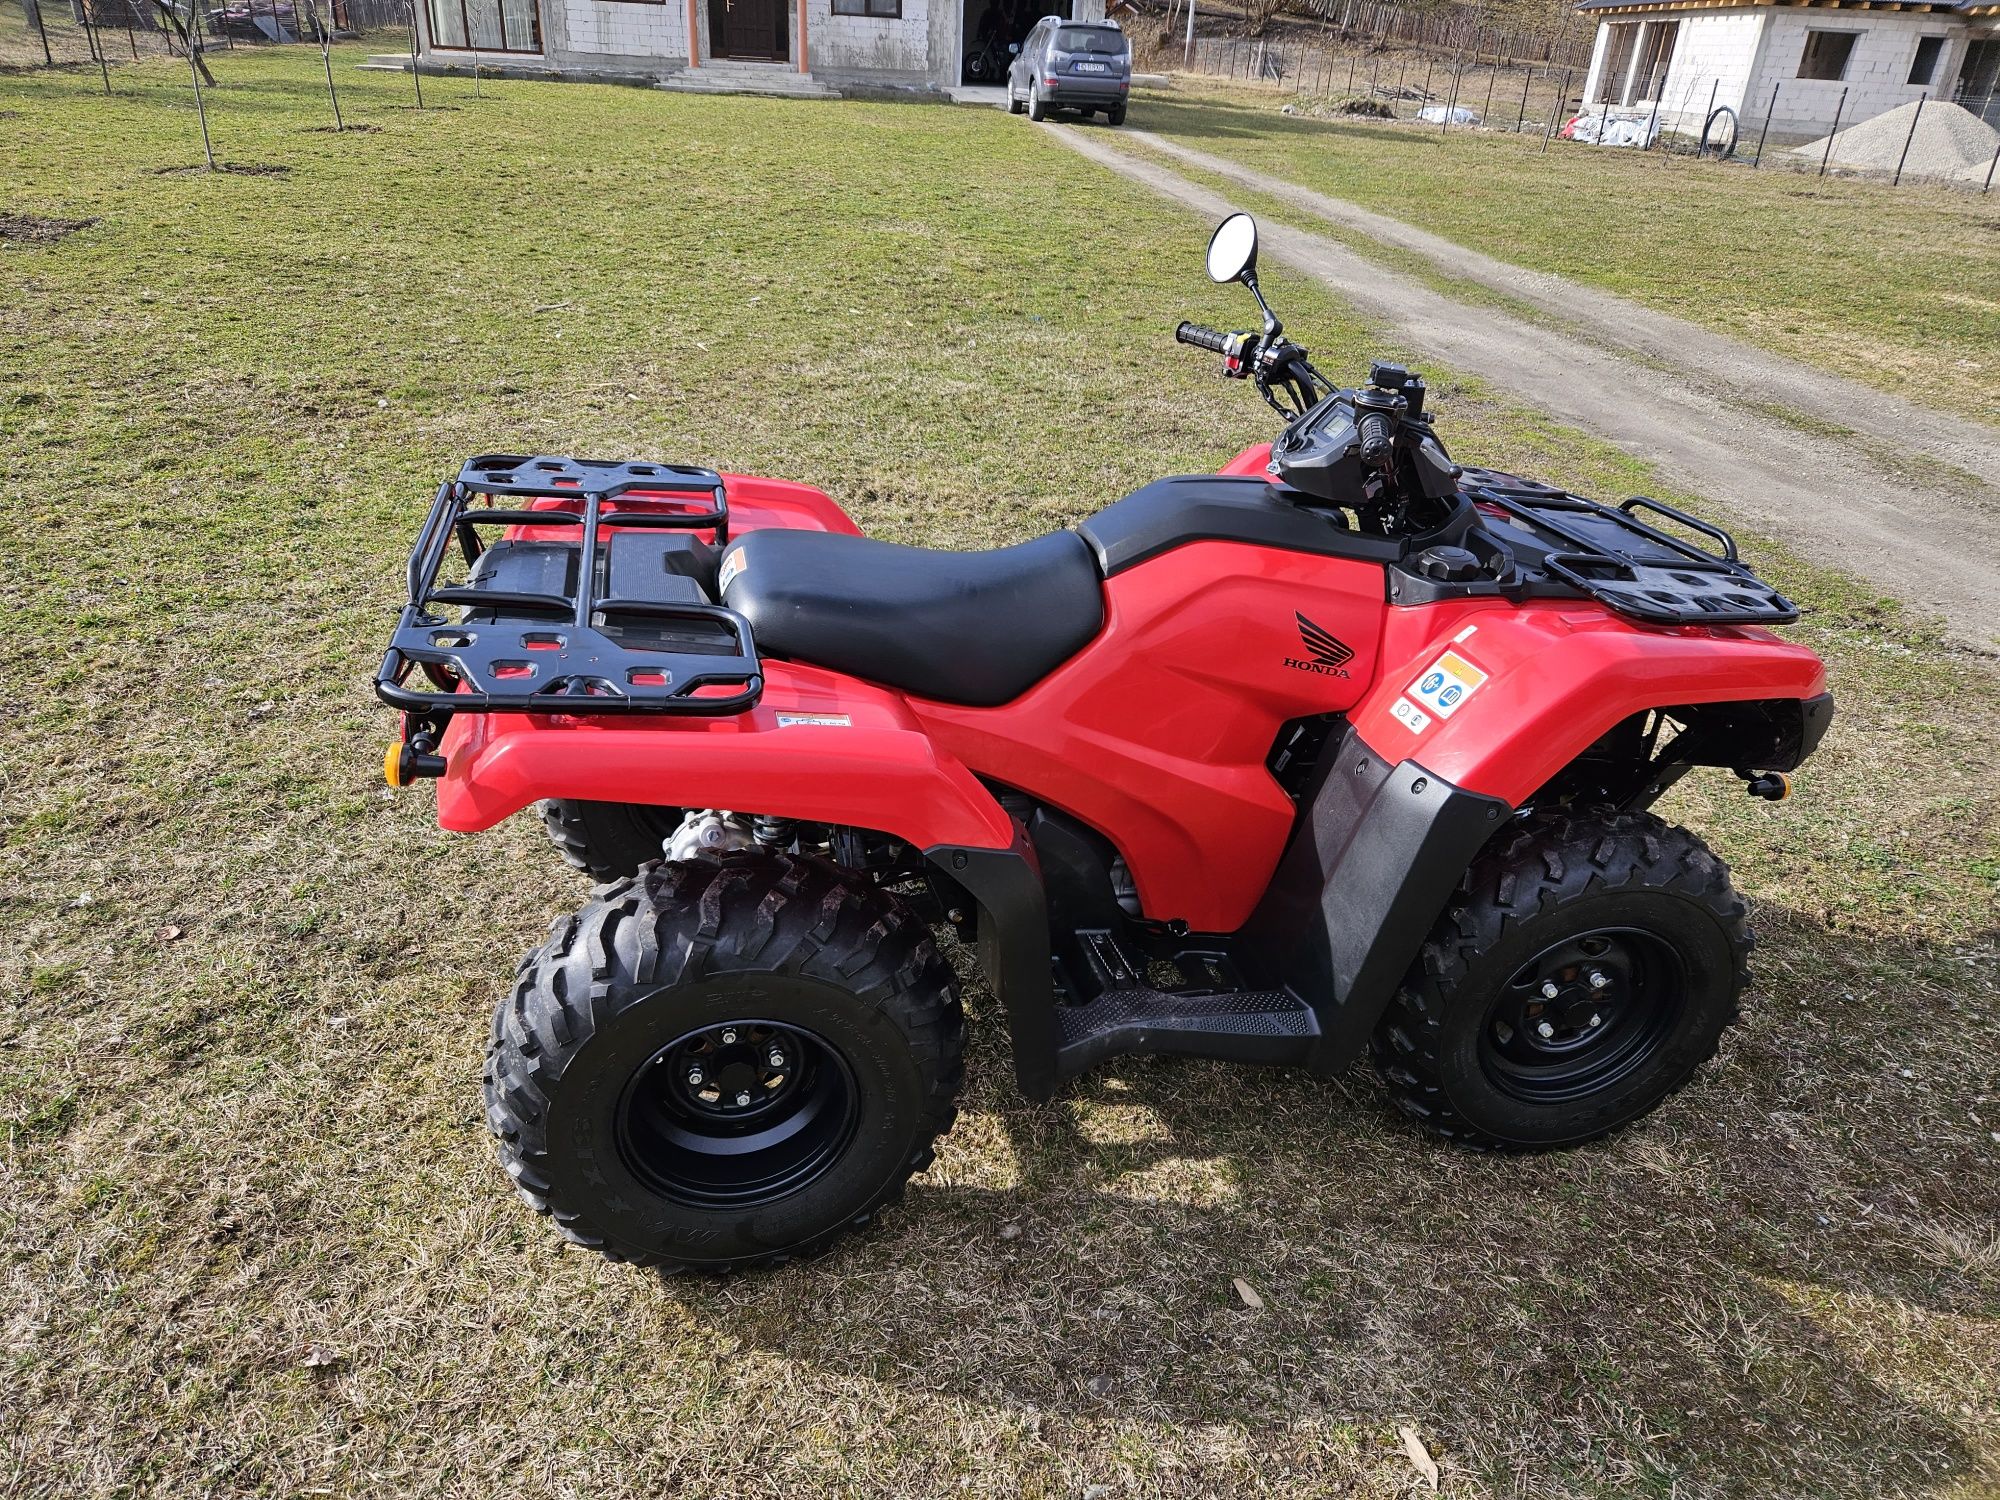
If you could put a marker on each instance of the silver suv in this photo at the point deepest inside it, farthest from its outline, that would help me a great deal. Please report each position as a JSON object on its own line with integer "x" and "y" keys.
{"x": 1081, "y": 65}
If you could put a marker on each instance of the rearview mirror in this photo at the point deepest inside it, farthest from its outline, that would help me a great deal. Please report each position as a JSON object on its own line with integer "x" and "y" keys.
{"x": 1232, "y": 250}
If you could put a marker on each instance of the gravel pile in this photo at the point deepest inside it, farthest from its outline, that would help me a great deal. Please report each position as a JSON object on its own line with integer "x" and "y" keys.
{"x": 1950, "y": 142}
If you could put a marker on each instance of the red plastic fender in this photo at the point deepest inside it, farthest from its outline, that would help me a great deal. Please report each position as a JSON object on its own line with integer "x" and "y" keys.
{"x": 1537, "y": 684}
{"x": 818, "y": 746}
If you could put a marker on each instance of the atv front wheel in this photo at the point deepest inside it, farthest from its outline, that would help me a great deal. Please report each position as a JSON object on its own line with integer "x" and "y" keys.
{"x": 725, "y": 1063}
{"x": 1584, "y": 971}
{"x": 607, "y": 840}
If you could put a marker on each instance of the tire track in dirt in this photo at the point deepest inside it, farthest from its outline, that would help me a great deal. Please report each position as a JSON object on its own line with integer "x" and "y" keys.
{"x": 1935, "y": 548}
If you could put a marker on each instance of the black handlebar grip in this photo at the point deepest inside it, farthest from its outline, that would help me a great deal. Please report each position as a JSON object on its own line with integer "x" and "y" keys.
{"x": 1378, "y": 436}
{"x": 1203, "y": 338}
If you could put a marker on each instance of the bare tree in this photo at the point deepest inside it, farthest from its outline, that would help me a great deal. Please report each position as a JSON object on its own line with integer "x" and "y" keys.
{"x": 326, "y": 61}
{"x": 176, "y": 28}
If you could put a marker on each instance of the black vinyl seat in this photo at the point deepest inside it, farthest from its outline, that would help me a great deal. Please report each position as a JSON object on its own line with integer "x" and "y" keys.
{"x": 977, "y": 628}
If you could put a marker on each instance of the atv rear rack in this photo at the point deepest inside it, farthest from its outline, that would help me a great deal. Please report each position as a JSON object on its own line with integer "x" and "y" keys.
{"x": 583, "y": 649}
{"x": 1614, "y": 557}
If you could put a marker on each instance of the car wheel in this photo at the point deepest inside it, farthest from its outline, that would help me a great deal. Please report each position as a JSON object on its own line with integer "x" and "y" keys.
{"x": 1036, "y": 109}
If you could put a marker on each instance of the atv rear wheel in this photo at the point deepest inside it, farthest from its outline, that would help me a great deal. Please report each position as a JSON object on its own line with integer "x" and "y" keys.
{"x": 1584, "y": 971}
{"x": 608, "y": 840}
{"x": 725, "y": 1063}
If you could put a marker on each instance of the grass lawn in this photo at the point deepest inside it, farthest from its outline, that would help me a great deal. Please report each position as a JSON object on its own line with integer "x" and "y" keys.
{"x": 1895, "y": 287}
{"x": 252, "y": 1236}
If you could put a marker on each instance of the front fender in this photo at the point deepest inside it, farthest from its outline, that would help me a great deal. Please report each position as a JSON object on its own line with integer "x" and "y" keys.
{"x": 1540, "y": 683}
{"x": 817, "y": 746}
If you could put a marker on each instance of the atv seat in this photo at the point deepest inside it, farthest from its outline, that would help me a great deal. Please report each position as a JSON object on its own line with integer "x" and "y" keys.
{"x": 978, "y": 628}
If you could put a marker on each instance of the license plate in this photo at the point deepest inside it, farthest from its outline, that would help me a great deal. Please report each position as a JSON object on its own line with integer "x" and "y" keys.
{"x": 1093, "y": 67}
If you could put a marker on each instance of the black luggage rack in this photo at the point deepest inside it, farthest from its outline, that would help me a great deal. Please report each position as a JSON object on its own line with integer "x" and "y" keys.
{"x": 551, "y": 653}
{"x": 1614, "y": 557}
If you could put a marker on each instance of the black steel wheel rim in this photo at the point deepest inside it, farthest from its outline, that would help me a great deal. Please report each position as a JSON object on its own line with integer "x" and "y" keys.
{"x": 1584, "y": 1014}
{"x": 738, "y": 1114}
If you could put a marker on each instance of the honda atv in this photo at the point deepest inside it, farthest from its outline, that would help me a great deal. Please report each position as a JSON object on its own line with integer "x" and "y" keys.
{"x": 1345, "y": 747}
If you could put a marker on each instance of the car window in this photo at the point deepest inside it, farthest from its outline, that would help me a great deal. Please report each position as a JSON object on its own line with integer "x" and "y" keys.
{"x": 1101, "y": 41}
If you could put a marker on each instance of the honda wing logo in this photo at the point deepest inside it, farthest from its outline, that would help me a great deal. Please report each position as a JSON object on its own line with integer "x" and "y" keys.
{"x": 1330, "y": 654}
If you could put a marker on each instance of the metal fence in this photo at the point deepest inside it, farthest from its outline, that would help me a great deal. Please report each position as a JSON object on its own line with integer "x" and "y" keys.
{"x": 103, "y": 33}
{"x": 1480, "y": 87}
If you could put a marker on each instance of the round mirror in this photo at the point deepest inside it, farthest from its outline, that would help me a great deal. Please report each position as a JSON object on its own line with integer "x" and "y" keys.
{"x": 1232, "y": 249}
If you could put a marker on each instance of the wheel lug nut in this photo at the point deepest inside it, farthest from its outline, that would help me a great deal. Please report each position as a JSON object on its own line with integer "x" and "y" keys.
{"x": 730, "y": 1035}
{"x": 777, "y": 1059}
{"x": 1549, "y": 990}
{"x": 1596, "y": 1019}
{"x": 1545, "y": 1031}
{"x": 742, "y": 1099}
{"x": 1599, "y": 980}
{"x": 694, "y": 1078}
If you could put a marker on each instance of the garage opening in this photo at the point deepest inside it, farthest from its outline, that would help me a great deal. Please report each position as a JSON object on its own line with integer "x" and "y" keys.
{"x": 991, "y": 26}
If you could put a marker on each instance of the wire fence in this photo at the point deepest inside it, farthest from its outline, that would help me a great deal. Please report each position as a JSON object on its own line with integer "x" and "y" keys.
{"x": 1481, "y": 87}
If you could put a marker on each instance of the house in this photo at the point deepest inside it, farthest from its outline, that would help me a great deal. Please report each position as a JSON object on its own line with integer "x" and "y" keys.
{"x": 764, "y": 46}
{"x": 1799, "y": 61}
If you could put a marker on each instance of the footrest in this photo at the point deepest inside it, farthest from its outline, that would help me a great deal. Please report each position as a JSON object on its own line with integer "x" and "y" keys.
{"x": 1257, "y": 1026}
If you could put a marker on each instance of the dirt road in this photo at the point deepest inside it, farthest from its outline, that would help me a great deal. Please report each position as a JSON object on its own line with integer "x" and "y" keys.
{"x": 1673, "y": 394}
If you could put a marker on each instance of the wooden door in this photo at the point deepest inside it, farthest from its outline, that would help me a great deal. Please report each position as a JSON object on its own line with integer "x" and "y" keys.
{"x": 748, "y": 28}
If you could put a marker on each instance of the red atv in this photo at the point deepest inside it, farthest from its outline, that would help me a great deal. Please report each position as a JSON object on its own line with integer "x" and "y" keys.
{"x": 1346, "y": 746}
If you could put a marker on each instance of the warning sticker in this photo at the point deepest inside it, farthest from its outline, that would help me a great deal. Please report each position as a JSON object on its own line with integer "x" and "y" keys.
{"x": 731, "y": 566}
{"x": 823, "y": 721}
{"x": 1410, "y": 716}
{"x": 1446, "y": 683}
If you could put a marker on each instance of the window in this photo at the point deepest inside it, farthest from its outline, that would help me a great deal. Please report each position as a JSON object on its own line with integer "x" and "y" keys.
{"x": 882, "y": 10}
{"x": 1826, "y": 55}
{"x": 1924, "y": 69}
{"x": 1103, "y": 41}
{"x": 1652, "y": 75}
{"x": 1624, "y": 36}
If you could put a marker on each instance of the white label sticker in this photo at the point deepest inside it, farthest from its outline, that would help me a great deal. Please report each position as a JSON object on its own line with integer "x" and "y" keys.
{"x": 1445, "y": 684}
{"x": 1410, "y": 716}
{"x": 731, "y": 566}
{"x": 823, "y": 721}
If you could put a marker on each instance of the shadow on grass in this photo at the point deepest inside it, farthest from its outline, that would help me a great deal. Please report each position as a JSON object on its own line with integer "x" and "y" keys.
{"x": 1713, "y": 1292}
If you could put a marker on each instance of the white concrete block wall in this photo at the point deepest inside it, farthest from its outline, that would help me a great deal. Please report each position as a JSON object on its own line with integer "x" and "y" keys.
{"x": 624, "y": 28}
{"x": 1715, "y": 54}
{"x": 847, "y": 46}
{"x": 1878, "y": 69}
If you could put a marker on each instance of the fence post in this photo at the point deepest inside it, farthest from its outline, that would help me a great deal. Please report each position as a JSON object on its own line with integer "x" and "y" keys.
{"x": 1492, "y": 79}
{"x": 1652, "y": 122}
{"x": 1526, "y": 84}
{"x": 1921, "y": 98}
{"x": 1833, "y": 132}
{"x": 1430, "y": 62}
{"x": 1759, "y": 160}
{"x": 1989, "y": 172}
{"x": 35, "y": 10}
{"x": 1713, "y": 89}
{"x": 1561, "y": 104}
{"x": 1452, "y": 103}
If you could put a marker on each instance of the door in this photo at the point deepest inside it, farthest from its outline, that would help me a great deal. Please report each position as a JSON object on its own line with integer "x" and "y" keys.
{"x": 748, "y": 28}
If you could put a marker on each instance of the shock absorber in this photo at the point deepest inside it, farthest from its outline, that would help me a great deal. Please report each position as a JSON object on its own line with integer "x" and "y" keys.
{"x": 774, "y": 833}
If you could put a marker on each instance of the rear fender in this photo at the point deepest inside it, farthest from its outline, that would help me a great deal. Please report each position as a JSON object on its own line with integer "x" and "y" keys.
{"x": 1538, "y": 685}
{"x": 818, "y": 747}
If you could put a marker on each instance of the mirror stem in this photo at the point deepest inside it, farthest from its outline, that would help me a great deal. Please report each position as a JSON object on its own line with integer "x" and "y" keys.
{"x": 1271, "y": 323}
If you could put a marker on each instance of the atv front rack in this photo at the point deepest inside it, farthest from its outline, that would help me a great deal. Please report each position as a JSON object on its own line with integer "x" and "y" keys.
{"x": 581, "y": 647}
{"x": 1614, "y": 557}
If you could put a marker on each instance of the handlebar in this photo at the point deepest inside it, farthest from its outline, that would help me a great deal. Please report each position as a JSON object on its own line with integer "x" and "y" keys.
{"x": 1204, "y": 338}
{"x": 1378, "y": 436}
